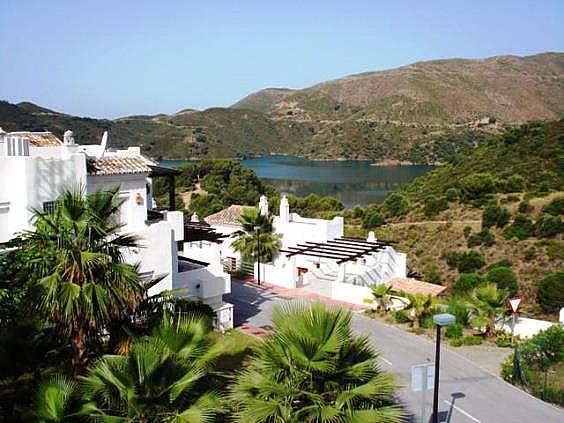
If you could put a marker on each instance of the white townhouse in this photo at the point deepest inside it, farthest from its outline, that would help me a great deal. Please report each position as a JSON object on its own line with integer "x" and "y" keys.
{"x": 36, "y": 166}
{"x": 314, "y": 254}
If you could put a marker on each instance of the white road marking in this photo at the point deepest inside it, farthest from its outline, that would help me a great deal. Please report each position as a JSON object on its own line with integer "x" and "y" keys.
{"x": 388, "y": 362}
{"x": 460, "y": 410}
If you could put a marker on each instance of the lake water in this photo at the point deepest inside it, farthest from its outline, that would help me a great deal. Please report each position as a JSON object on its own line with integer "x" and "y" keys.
{"x": 352, "y": 182}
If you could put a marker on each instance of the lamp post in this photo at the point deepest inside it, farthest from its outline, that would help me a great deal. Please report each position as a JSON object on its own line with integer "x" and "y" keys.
{"x": 257, "y": 231}
{"x": 444, "y": 319}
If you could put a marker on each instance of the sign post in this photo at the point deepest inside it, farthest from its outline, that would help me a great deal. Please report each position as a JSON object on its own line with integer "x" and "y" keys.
{"x": 423, "y": 379}
{"x": 514, "y": 305}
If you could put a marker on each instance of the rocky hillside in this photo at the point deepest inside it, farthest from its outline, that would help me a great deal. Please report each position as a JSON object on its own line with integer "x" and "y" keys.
{"x": 426, "y": 112}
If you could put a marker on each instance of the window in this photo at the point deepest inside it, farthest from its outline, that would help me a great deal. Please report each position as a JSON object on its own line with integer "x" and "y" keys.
{"x": 49, "y": 207}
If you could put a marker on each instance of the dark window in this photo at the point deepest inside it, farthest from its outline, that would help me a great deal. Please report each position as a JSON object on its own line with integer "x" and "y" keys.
{"x": 49, "y": 207}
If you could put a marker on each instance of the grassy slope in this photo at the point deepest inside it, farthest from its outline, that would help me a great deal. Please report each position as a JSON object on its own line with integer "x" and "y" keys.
{"x": 535, "y": 152}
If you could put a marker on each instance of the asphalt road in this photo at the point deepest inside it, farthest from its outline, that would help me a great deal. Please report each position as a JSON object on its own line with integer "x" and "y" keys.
{"x": 467, "y": 392}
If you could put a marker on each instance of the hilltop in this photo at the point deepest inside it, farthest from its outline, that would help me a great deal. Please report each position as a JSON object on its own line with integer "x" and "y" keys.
{"x": 426, "y": 112}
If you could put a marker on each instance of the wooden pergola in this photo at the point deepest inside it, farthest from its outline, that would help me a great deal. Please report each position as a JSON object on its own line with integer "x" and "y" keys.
{"x": 201, "y": 231}
{"x": 341, "y": 249}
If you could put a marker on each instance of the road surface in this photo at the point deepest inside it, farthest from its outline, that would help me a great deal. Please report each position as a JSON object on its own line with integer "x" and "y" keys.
{"x": 467, "y": 392}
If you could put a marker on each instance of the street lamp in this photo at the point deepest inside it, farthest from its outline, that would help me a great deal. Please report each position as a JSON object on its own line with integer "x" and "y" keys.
{"x": 257, "y": 231}
{"x": 444, "y": 319}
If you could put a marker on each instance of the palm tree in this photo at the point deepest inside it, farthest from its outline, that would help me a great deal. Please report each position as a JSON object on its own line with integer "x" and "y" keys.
{"x": 486, "y": 304}
{"x": 56, "y": 400}
{"x": 382, "y": 296}
{"x": 419, "y": 305}
{"x": 248, "y": 241}
{"x": 83, "y": 280}
{"x": 312, "y": 369}
{"x": 161, "y": 379}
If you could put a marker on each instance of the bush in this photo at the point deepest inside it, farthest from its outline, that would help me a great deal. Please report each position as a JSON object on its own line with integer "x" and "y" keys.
{"x": 467, "y": 231}
{"x": 555, "y": 207}
{"x": 452, "y": 194}
{"x": 427, "y": 322}
{"x": 505, "y": 279}
{"x": 456, "y": 342}
{"x": 454, "y": 331}
{"x": 465, "y": 283}
{"x": 521, "y": 228}
{"x": 471, "y": 340}
{"x": 466, "y": 262}
{"x": 548, "y": 226}
{"x": 434, "y": 205}
{"x": 495, "y": 215}
{"x": 396, "y": 204}
{"x": 372, "y": 219}
{"x": 525, "y": 207}
{"x": 401, "y": 316}
{"x": 477, "y": 185}
{"x": 503, "y": 340}
{"x": 501, "y": 263}
{"x": 515, "y": 183}
{"x": 432, "y": 274}
{"x": 530, "y": 253}
{"x": 460, "y": 311}
{"x": 550, "y": 293}
{"x": 484, "y": 237}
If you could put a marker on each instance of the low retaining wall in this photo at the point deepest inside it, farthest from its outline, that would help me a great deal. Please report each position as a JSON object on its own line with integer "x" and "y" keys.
{"x": 350, "y": 293}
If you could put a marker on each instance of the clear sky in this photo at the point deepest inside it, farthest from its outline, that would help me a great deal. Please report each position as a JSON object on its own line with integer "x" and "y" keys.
{"x": 113, "y": 58}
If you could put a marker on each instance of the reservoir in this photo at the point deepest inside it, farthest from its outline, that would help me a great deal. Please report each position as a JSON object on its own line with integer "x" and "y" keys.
{"x": 352, "y": 182}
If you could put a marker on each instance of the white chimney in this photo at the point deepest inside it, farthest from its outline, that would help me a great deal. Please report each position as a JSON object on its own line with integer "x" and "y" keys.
{"x": 371, "y": 237}
{"x": 263, "y": 205}
{"x": 284, "y": 209}
{"x": 194, "y": 218}
{"x": 68, "y": 137}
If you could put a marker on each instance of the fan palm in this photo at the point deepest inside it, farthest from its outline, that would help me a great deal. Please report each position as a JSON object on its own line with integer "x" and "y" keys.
{"x": 56, "y": 400}
{"x": 248, "y": 241}
{"x": 159, "y": 380}
{"x": 312, "y": 369}
{"x": 382, "y": 296}
{"x": 83, "y": 280}
{"x": 486, "y": 304}
{"x": 419, "y": 306}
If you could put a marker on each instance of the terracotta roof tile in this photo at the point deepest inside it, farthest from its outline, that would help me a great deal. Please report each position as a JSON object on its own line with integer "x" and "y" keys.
{"x": 413, "y": 286}
{"x": 40, "y": 139}
{"x": 117, "y": 165}
{"x": 228, "y": 216}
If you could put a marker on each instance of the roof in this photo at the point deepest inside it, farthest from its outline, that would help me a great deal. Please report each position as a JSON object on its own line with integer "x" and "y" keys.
{"x": 117, "y": 165}
{"x": 413, "y": 286}
{"x": 228, "y": 216}
{"x": 40, "y": 139}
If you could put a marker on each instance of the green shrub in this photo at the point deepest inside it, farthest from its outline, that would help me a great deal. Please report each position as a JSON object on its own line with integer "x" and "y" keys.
{"x": 503, "y": 340}
{"x": 401, "y": 316}
{"x": 454, "y": 331}
{"x": 495, "y": 215}
{"x": 477, "y": 185}
{"x": 554, "y": 395}
{"x": 550, "y": 293}
{"x": 427, "y": 322}
{"x": 434, "y": 205}
{"x": 505, "y": 279}
{"x": 484, "y": 237}
{"x": 529, "y": 254}
{"x": 372, "y": 219}
{"x": 501, "y": 263}
{"x": 521, "y": 228}
{"x": 525, "y": 207}
{"x": 465, "y": 283}
{"x": 515, "y": 183}
{"x": 396, "y": 204}
{"x": 433, "y": 274}
{"x": 548, "y": 226}
{"x": 459, "y": 310}
{"x": 467, "y": 231}
{"x": 452, "y": 194}
{"x": 555, "y": 207}
{"x": 466, "y": 262}
{"x": 456, "y": 342}
{"x": 471, "y": 340}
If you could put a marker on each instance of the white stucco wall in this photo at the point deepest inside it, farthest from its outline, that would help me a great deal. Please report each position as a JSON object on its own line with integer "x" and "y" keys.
{"x": 350, "y": 293}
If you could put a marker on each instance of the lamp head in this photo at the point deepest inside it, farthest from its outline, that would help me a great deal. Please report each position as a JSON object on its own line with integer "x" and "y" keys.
{"x": 444, "y": 319}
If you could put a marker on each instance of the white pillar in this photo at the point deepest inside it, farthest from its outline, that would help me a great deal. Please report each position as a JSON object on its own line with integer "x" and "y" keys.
{"x": 284, "y": 209}
{"x": 341, "y": 275}
{"x": 263, "y": 205}
{"x": 371, "y": 237}
{"x": 562, "y": 315}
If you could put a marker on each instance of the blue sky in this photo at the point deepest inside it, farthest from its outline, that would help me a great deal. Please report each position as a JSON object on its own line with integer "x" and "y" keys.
{"x": 114, "y": 58}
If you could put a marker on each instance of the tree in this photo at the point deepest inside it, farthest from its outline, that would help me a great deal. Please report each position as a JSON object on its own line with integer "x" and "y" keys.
{"x": 477, "y": 185}
{"x": 521, "y": 228}
{"x": 160, "y": 379}
{"x": 550, "y": 293}
{"x": 382, "y": 296}
{"x": 420, "y": 305}
{"x": 434, "y": 205}
{"x": 466, "y": 283}
{"x": 396, "y": 204}
{"x": 487, "y": 303}
{"x": 312, "y": 369}
{"x": 83, "y": 281}
{"x": 495, "y": 215}
{"x": 548, "y": 226}
{"x": 372, "y": 219}
{"x": 504, "y": 278}
{"x": 247, "y": 242}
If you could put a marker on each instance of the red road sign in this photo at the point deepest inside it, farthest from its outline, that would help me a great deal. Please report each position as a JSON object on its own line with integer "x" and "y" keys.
{"x": 514, "y": 303}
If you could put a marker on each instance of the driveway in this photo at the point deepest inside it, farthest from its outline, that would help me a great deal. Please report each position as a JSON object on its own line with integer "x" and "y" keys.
{"x": 468, "y": 393}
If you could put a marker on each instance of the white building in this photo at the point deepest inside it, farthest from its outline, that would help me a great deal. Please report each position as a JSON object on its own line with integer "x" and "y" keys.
{"x": 36, "y": 166}
{"x": 314, "y": 254}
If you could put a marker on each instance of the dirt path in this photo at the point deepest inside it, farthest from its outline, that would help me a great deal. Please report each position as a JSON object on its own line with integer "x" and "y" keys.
{"x": 187, "y": 195}
{"x": 437, "y": 222}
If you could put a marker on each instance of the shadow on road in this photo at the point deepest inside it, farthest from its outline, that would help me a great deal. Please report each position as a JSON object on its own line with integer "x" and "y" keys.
{"x": 247, "y": 300}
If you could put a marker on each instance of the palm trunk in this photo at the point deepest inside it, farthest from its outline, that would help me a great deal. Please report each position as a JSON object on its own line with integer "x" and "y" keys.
{"x": 79, "y": 351}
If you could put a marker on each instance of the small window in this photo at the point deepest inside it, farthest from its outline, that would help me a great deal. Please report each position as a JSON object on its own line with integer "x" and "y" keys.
{"x": 49, "y": 207}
